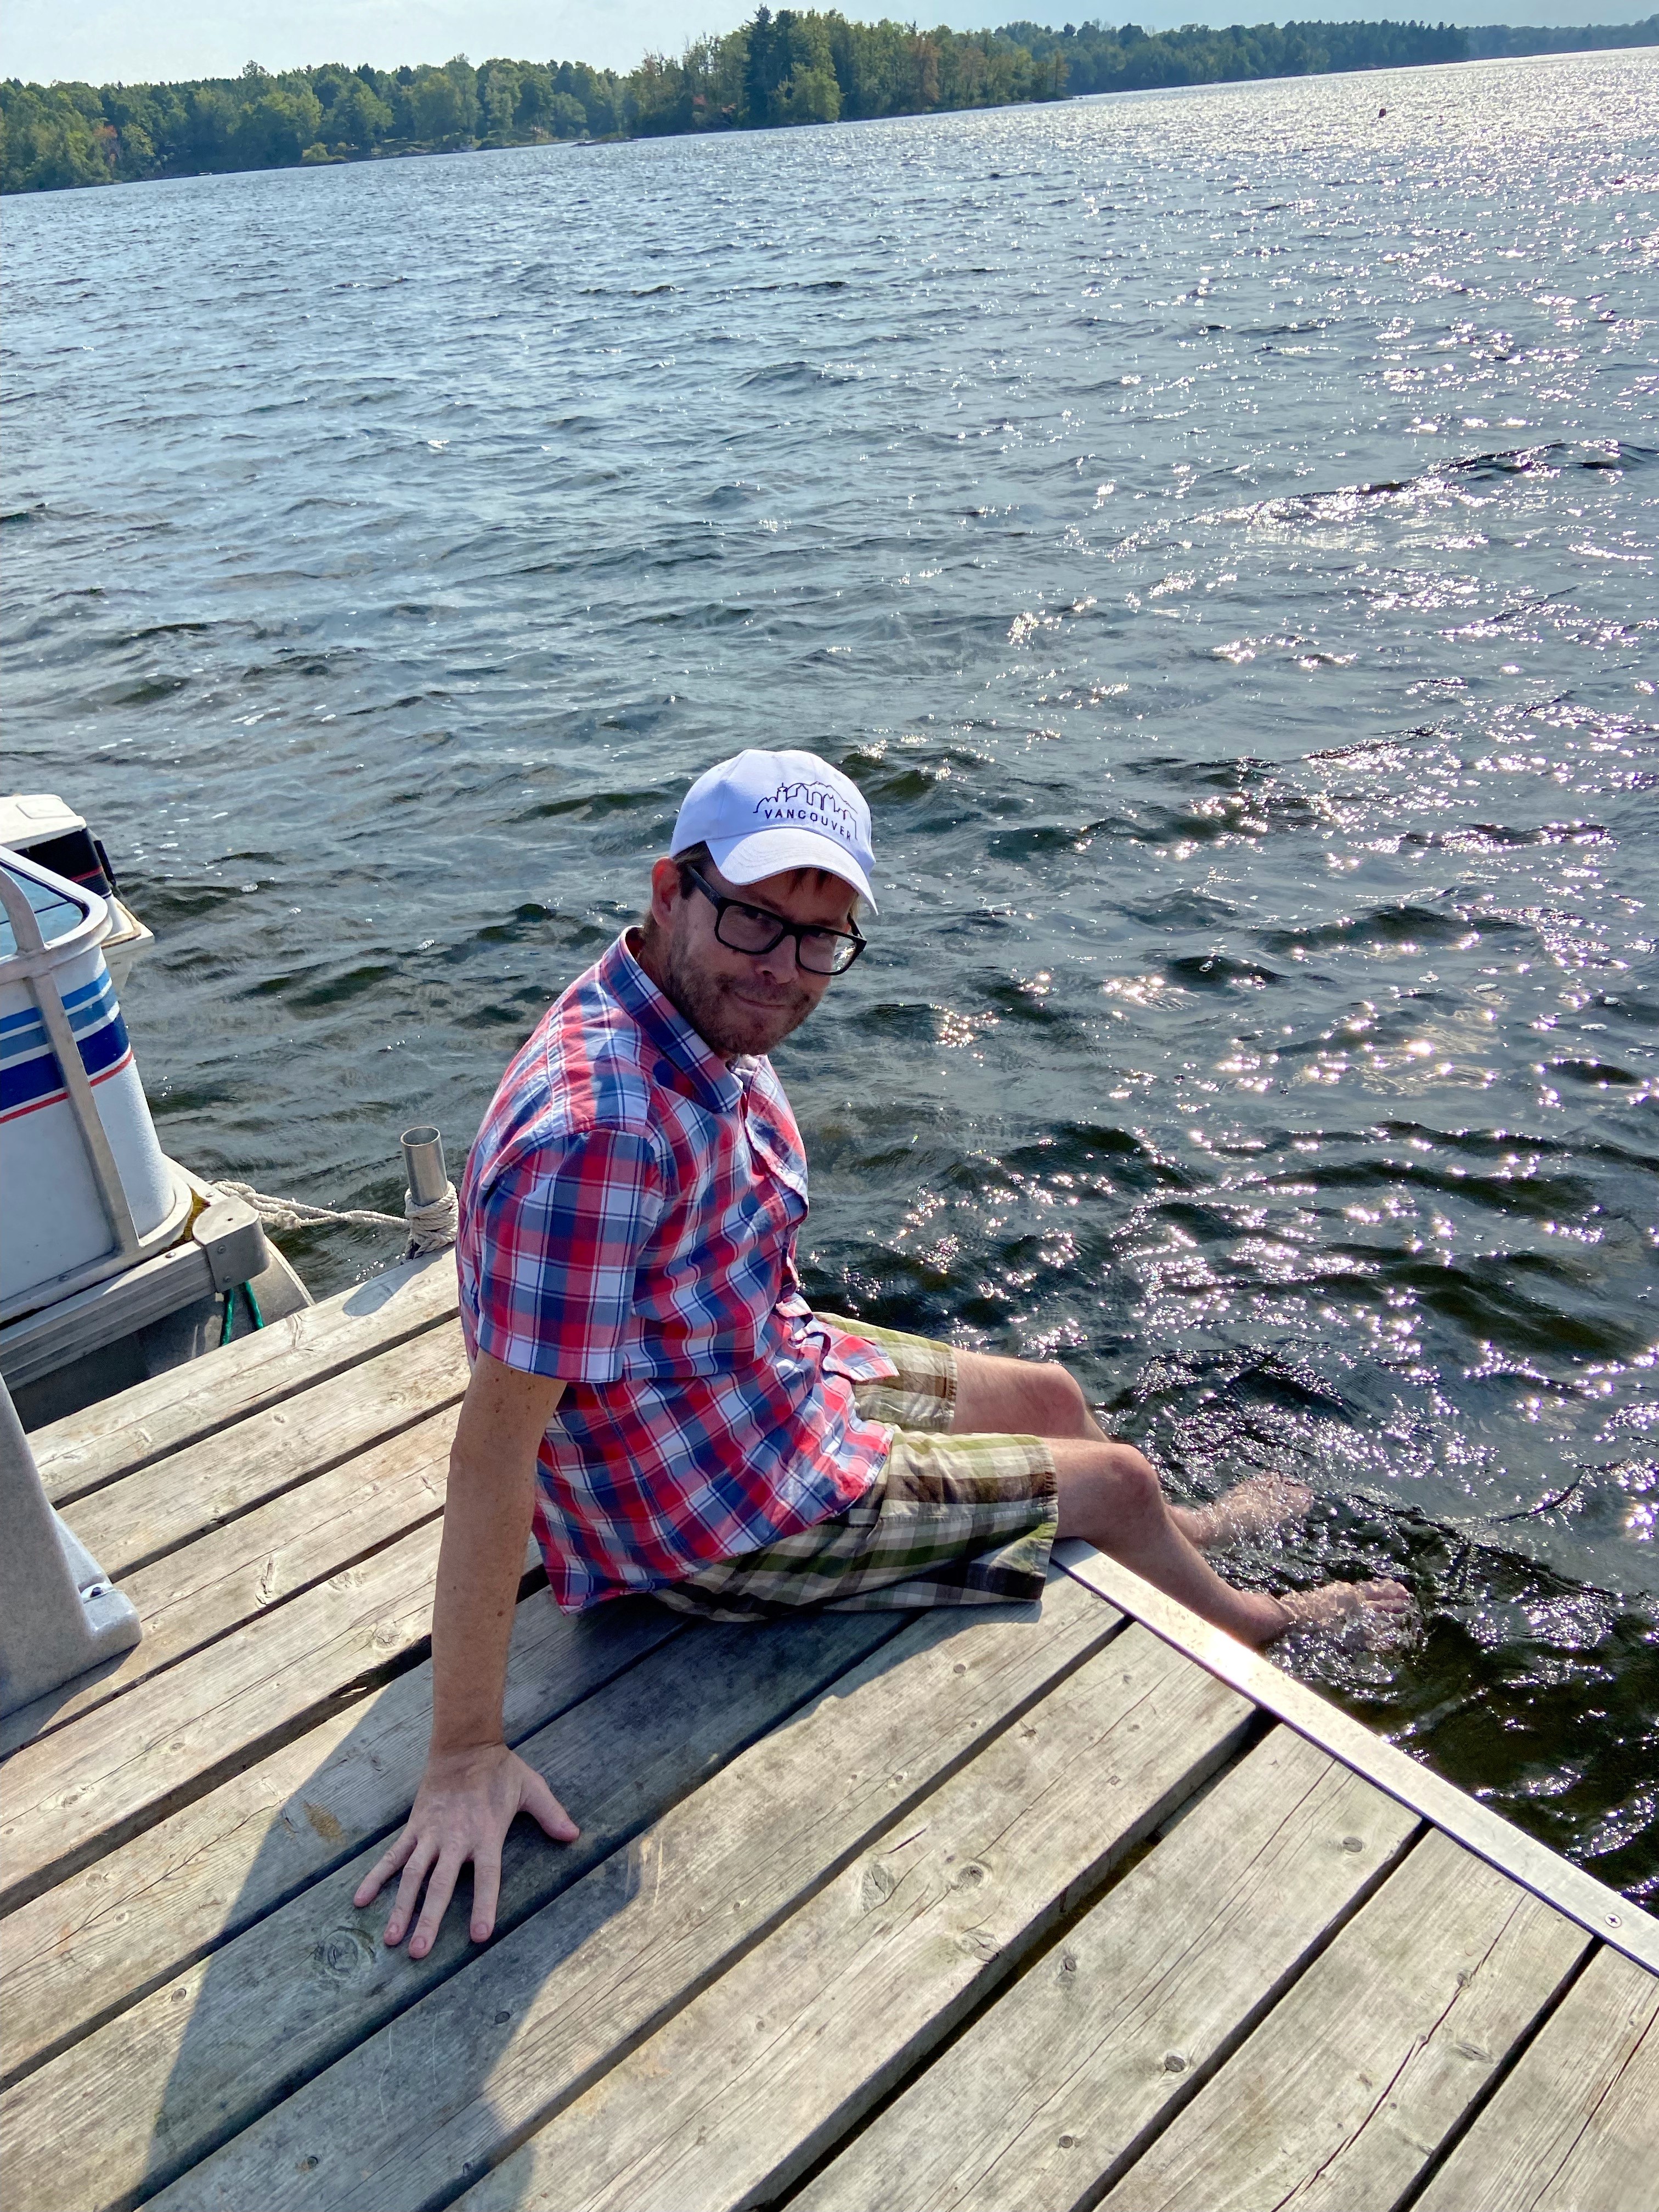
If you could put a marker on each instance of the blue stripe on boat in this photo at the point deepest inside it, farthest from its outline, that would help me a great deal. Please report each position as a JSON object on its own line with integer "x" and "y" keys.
{"x": 30, "y": 1082}
{"x": 25, "y": 1032}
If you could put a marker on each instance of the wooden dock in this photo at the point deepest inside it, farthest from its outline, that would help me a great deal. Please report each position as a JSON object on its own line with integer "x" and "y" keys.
{"x": 869, "y": 1913}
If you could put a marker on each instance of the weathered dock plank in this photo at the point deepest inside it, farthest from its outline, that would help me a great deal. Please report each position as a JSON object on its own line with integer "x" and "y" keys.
{"x": 1344, "y": 2096}
{"x": 1045, "y": 2098}
{"x": 80, "y": 1791}
{"x": 173, "y": 1501}
{"x": 210, "y": 2051}
{"x": 121, "y": 1434}
{"x": 1576, "y": 2126}
{"x": 530, "y": 2022}
{"x": 84, "y": 1950}
{"x": 192, "y": 1596}
{"x": 728, "y": 2103}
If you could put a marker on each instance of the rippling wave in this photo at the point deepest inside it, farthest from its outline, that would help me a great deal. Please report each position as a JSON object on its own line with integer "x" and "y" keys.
{"x": 1216, "y": 529}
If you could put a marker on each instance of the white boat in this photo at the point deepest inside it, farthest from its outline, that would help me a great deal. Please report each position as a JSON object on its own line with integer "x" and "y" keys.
{"x": 116, "y": 1262}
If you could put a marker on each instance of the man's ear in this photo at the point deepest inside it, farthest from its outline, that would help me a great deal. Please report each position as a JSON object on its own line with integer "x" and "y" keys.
{"x": 665, "y": 890}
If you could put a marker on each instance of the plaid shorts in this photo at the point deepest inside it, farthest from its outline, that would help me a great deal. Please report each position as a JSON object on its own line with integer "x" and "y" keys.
{"x": 950, "y": 1520}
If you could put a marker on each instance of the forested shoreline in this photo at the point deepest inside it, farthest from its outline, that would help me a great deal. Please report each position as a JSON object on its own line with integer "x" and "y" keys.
{"x": 784, "y": 68}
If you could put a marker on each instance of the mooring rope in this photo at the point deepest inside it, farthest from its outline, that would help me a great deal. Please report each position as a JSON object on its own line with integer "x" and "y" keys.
{"x": 431, "y": 1228}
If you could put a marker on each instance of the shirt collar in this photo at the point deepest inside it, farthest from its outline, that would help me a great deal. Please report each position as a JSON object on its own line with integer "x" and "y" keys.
{"x": 670, "y": 1037}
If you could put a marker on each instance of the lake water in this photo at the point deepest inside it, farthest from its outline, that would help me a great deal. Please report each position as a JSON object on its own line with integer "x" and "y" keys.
{"x": 1217, "y": 531}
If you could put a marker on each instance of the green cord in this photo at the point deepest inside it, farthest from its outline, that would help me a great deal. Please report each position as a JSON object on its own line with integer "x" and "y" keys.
{"x": 229, "y": 1326}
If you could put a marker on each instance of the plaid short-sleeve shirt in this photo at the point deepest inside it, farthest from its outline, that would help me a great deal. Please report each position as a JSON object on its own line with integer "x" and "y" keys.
{"x": 627, "y": 1222}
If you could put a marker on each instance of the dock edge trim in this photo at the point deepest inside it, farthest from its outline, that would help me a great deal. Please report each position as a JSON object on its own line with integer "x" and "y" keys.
{"x": 1603, "y": 1912}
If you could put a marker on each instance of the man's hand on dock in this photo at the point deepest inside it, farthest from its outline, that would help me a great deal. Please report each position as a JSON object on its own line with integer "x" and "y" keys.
{"x": 463, "y": 1810}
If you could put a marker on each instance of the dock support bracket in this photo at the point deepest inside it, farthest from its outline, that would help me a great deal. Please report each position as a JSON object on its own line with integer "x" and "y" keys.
{"x": 59, "y": 1612}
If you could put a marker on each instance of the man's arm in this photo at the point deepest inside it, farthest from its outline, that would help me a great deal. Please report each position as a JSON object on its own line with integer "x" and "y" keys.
{"x": 473, "y": 1784}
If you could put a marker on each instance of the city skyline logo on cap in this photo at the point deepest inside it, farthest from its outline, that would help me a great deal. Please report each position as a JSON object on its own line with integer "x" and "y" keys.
{"x": 808, "y": 806}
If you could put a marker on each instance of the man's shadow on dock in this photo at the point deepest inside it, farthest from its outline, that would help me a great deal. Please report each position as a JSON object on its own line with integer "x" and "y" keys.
{"x": 639, "y": 1708}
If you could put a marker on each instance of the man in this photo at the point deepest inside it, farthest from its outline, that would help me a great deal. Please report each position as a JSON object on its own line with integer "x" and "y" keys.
{"x": 628, "y": 1219}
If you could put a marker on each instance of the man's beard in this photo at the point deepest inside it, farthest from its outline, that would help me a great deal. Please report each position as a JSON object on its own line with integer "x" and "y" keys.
{"x": 725, "y": 1024}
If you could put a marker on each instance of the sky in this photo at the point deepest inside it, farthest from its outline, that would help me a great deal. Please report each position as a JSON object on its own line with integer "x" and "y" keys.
{"x": 106, "y": 41}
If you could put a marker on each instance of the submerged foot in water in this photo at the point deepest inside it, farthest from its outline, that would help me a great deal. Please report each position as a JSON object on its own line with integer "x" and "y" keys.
{"x": 1374, "y": 1612}
{"x": 1248, "y": 1509}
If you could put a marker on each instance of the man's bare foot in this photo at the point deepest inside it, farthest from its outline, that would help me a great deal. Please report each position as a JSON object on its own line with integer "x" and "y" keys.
{"x": 1261, "y": 1502}
{"x": 1375, "y": 1612}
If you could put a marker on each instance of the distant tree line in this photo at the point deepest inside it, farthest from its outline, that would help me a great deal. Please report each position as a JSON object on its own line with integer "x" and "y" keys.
{"x": 782, "y": 68}
{"x": 1493, "y": 41}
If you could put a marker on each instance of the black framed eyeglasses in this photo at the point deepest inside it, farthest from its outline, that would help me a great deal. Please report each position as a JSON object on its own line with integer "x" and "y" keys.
{"x": 744, "y": 929}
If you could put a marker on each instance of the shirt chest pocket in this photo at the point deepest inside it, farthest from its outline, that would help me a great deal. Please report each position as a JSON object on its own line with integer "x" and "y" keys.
{"x": 734, "y": 1224}
{"x": 757, "y": 1214}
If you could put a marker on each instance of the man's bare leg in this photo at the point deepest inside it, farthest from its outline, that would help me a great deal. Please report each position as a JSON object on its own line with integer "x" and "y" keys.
{"x": 1029, "y": 1398}
{"x": 1110, "y": 1496}
{"x": 1254, "y": 1505}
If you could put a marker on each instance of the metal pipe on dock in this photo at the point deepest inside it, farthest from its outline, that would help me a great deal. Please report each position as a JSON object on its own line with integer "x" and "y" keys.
{"x": 423, "y": 1163}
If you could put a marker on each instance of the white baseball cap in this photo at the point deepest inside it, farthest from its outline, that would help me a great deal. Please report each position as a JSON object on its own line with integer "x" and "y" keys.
{"x": 761, "y": 813}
